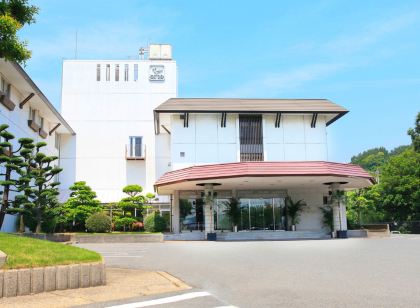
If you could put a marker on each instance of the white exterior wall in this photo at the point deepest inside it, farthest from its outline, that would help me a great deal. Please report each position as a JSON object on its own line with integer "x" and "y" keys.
{"x": 104, "y": 115}
{"x": 311, "y": 217}
{"x": 204, "y": 141}
{"x": 295, "y": 140}
{"x": 18, "y": 126}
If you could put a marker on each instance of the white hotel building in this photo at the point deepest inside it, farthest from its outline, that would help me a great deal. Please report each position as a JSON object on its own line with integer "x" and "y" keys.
{"x": 131, "y": 128}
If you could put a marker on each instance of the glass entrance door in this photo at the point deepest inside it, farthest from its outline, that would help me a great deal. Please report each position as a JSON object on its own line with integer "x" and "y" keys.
{"x": 262, "y": 214}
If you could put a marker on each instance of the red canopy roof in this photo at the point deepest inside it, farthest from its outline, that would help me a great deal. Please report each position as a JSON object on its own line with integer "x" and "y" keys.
{"x": 262, "y": 169}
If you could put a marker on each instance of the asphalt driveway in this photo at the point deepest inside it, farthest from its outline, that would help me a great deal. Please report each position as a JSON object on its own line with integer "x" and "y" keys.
{"x": 323, "y": 273}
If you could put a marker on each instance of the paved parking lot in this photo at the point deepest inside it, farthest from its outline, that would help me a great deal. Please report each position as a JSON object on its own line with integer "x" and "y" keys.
{"x": 325, "y": 273}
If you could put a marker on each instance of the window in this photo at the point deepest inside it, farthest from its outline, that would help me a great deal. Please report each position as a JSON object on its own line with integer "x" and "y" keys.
{"x": 32, "y": 114}
{"x": 126, "y": 72}
{"x": 41, "y": 122}
{"x": 251, "y": 138}
{"x": 98, "y": 72}
{"x": 136, "y": 146}
{"x": 117, "y": 72}
{"x": 136, "y": 72}
{"x": 108, "y": 72}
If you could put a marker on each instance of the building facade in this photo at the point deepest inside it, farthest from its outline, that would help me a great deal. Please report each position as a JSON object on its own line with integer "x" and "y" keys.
{"x": 196, "y": 154}
{"x": 29, "y": 114}
{"x": 110, "y": 104}
{"x": 258, "y": 151}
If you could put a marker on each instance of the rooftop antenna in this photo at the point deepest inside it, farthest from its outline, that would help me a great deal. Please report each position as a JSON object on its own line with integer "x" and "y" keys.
{"x": 142, "y": 52}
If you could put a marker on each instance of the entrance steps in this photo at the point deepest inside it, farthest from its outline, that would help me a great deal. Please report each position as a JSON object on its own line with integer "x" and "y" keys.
{"x": 271, "y": 235}
{"x": 185, "y": 236}
{"x": 249, "y": 236}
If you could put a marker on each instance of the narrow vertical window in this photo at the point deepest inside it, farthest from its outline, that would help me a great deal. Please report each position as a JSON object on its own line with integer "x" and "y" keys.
{"x": 98, "y": 72}
{"x": 136, "y": 72}
{"x": 117, "y": 72}
{"x": 108, "y": 72}
{"x": 126, "y": 72}
{"x": 41, "y": 122}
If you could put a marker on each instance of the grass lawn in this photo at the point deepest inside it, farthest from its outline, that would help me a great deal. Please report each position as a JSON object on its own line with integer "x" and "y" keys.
{"x": 28, "y": 252}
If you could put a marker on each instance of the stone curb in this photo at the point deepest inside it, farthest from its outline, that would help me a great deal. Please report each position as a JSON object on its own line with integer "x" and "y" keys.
{"x": 26, "y": 281}
{"x": 118, "y": 238}
{"x": 3, "y": 258}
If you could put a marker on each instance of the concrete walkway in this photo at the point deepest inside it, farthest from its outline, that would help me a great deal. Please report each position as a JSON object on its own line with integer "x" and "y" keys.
{"x": 121, "y": 284}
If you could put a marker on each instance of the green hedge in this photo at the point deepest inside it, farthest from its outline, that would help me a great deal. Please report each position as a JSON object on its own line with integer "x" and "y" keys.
{"x": 154, "y": 223}
{"x": 99, "y": 222}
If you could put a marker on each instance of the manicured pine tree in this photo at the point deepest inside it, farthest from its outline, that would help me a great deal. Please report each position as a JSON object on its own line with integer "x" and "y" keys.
{"x": 133, "y": 206}
{"x": 80, "y": 206}
{"x": 12, "y": 165}
{"x": 43, "y": 195}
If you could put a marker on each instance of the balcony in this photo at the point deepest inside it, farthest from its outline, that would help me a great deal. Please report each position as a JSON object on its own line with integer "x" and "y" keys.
{"x": 136, "y": 152}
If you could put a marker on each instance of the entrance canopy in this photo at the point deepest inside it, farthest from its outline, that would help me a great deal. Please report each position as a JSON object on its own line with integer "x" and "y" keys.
{"x": 265, "y": 175}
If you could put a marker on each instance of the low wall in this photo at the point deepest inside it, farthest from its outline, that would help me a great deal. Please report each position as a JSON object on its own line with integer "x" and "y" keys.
{"x": 357, "y": 233}
{"x": 54, "y": 237}
{"x": 118, "y": 238}
{"x": 27, "y": 281}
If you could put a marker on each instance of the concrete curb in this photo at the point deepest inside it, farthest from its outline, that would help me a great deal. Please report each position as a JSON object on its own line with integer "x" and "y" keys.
{"x": 27, "y": 281}
{"x": 3, "y": 258}
{"x": 118, "y": 238}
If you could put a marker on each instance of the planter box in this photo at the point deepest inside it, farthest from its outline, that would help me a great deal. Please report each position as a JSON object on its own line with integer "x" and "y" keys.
{"x": 342, "y": 234}
{"x": 6, "y": 101}
{"x": 43, "y": 133}
{"x": 212, "y": 236}
{"x": 35, "y": 127}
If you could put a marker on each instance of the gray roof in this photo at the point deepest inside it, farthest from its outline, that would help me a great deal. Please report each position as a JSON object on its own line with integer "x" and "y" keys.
{"x": 240, "y": 105}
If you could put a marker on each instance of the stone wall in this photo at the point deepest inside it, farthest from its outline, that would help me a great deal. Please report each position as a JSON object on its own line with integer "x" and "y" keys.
{"x": 27, "y": 281}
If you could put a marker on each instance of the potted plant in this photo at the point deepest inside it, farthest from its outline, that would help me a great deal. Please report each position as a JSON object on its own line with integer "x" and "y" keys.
{"x": 233, "y": 211}
{"x": 294, "y": 209}
{"x": 327, "y": 220}
{"x": 337, "y": 197}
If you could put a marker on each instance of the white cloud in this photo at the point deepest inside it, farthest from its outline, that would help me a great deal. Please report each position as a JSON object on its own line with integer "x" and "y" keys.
{"x": 343, "y": 52}
{"x": 275, "y": 83}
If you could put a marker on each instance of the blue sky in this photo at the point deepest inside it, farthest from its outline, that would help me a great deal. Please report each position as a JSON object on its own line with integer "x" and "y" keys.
{"x": 363, "y": 55}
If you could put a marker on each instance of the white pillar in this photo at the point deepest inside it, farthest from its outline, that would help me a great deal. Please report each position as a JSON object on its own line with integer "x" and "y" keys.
{"x": 336, "y": 207}
{"x": 175, "y": 213}
{"x": 208, "y": 208}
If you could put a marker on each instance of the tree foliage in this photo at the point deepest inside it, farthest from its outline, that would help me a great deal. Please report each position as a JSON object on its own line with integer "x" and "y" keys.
{"x": 81, "y": 205}
{"x": 29, "y": 174}
{"x": 371, "y": 160}
{"x": 42, "y": 191}
{"x": 396, "y": 196}
{"x": 154, "y": 223}
{"x": 14, "y": 14}
{"x": 98, "y": 222}
{"x": 400, "y": 186}
{"x": 414, "y": 133}
{"x": 14, "y": 172}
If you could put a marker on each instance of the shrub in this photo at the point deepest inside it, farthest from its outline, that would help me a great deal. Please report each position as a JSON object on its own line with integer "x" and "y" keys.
{"x": 98, "y": 222}
{"x": 124, "y": 222}
{"x": 154, "y": 223}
